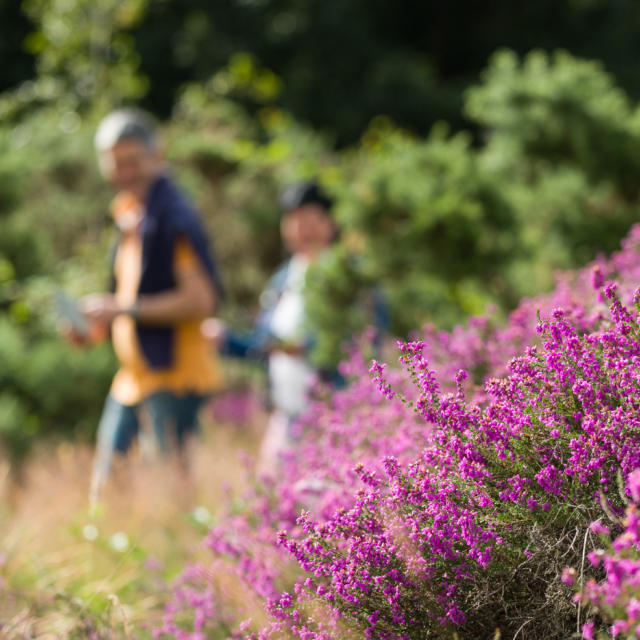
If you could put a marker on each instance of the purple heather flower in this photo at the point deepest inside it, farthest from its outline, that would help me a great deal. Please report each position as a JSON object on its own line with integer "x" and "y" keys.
{"x": 587, "y": 630}
{"x": 550, "y": 417}
{"x": 597, "y": 277}
{"x": 568, "y": 575}
{"x": 633, "y": 484}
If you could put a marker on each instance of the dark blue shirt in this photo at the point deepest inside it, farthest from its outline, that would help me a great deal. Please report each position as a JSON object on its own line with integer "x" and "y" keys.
{"x": 169, "y": 215}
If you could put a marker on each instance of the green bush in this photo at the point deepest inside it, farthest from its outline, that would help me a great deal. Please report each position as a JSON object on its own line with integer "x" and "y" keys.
{"x": 439, "y": 227}
{"x": 446, "y": 225}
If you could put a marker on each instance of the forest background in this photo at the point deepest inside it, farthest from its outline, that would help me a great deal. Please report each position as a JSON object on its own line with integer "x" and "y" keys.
{"x": 473, "y": 149}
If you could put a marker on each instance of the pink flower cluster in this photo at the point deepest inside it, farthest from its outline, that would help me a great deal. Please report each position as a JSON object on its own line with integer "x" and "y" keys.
{"x": 614, "y": 602}
{"x": 430, "y": 480}
{"x": 558, "y": 428}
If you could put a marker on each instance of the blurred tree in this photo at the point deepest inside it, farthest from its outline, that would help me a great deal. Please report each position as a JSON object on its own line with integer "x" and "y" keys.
{"x": 344, "y": 63}
{"x": 445, "y": 227}
{"x": 18, "y": 65}
{"x": 565, "y": 141}
{"x": 84, "y": 57}
{"x": 341, "y": 63}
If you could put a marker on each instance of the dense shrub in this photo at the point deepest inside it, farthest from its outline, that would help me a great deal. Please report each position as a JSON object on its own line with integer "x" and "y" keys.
{"x": 445, "y": 225}
{"x": 457, "y": 509}
{"x": 437, "y": 227}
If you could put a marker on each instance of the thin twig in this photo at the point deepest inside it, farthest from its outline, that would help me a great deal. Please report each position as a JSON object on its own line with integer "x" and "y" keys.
{"x": 572, "y": 542}
{"x": 584, "y": 553}
{"x": 526, "y": 622}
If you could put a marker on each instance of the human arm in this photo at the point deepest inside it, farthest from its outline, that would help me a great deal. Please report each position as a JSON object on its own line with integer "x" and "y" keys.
{"x": 235, "y": 344}
{"x": 96, "y": 334}
{"x": 192, "y": 297}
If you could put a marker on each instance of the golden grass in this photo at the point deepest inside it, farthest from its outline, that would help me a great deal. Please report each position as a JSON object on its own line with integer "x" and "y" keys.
{"x": 61, "y": 562}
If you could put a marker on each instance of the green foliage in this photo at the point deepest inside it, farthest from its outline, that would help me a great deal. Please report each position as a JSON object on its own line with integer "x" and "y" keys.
{"x": 438, "y": 227}
{"x": 336, "y": 65}
{"x": 425, "y": 208}
{"x": 341, "y": 301}
{"x": 47, "y": 388}
{"x": 425, "y": 228}
{"x": 53, "y": 222}
{"x": 564, "y": 141}
{"x": 84, "y": 44}
{"x": 444, "y": 227}
{"x": 559, "y": 110}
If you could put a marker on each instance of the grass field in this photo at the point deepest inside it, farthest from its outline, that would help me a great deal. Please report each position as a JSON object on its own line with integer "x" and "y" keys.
{"x": 67, "y": 571}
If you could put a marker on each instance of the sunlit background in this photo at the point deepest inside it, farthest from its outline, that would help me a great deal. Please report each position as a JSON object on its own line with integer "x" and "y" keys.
{"x": 473, "y": 149}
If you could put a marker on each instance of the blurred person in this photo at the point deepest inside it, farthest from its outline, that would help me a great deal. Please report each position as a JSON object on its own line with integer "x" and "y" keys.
{"x": 280, "y": 336}
{"x": 164, "y": 282}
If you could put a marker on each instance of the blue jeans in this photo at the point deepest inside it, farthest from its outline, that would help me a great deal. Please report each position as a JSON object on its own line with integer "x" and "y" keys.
{"x": 173, "y": 418}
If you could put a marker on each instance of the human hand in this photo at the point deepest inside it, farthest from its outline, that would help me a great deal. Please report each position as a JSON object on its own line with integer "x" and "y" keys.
{"x": 213, "y": 329}
{"x": 282, "y": 346}
{"x": 71, "y": 335}
{"x": 100, "y": 308}
{"x": 97, "y": 333}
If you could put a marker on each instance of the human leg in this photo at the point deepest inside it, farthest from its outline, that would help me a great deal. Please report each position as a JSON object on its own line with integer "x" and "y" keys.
{"x": 117, "y": 428}
{"x": 188, "y": 423}
{"x": 174, "y": 417}
{"x": 275, "y": 440}
{"x": 175, "y": 421}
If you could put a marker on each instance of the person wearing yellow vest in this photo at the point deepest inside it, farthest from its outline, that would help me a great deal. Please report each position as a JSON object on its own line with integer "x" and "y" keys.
{"x": 165, "y": 281}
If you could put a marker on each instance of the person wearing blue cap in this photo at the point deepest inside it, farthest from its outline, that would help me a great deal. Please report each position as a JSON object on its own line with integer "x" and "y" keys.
{"x": 280, "y": 336}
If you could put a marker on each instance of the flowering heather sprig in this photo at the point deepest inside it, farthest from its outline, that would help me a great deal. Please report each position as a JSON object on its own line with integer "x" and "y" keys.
{"x": 597, "y": 278}
{"x": 377, "y": 370}
{"x": 614, "y": 601}
{"x": 193, "y": 612}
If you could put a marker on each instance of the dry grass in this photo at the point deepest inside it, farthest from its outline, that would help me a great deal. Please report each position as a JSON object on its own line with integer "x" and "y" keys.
{"x": 61, "y": 565}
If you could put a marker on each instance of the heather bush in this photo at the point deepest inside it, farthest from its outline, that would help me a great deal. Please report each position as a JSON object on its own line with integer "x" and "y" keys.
{"x": 490, "y": 500}
{"x": 457, "y": 508}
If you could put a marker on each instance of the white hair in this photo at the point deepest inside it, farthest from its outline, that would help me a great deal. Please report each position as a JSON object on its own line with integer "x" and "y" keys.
{"x": 125, "y": 124}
